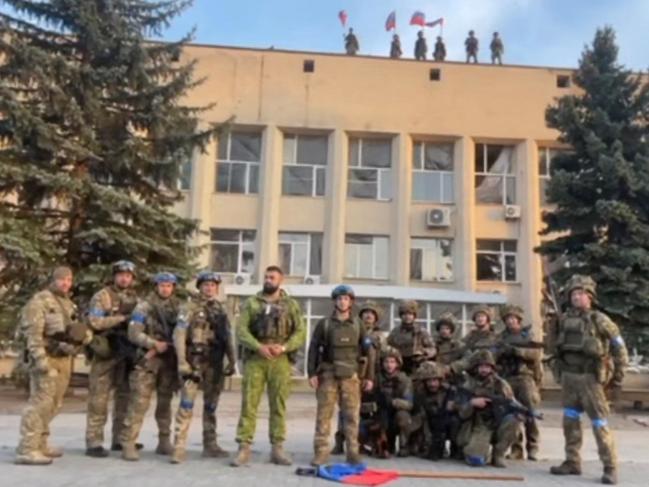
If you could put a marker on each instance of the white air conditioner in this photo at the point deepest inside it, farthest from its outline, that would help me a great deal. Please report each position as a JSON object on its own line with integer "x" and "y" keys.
{"x": 438, "y": 217}
{"x": 512, "y": 212}
{"x": 242, "y": 279}
{"x": 311, "y": 279}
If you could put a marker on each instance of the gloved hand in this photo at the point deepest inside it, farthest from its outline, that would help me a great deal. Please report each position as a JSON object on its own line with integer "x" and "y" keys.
{"x": 400, "y": 404}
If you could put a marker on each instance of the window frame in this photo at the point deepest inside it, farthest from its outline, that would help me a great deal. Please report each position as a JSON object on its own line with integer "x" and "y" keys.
{"x": 239, "y": 243}
{"x": 249, "y": 165}
{"x": 423, "y": 248}
{"x": 502, "y": 254}
{"x": 315, "y": 168}
{"x": 309, "y": 248}
{"x": 380, "y": 171}
{"x": 374, "y": 275}
{"x": 504, "y": 176}
{"x": 421, "y": 157}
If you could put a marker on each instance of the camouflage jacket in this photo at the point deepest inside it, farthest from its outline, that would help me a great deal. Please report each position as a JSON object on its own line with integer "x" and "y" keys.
{"x": 448, "y": 350}
{"x": 153, "y": 319}
{"x": 111, "y": 307}
{"x": 513, "y": 358}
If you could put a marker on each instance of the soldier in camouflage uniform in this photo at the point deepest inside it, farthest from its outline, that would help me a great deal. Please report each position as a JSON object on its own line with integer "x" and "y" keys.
{"x": 448, "y": 348}
{"x": 108, "y": 315}
{"x": 590, "y": 355}
{"x": 481, "y": 337}
{"x": 202, "y": 340}
{"x": 471, "y": 46}
{"x": 271, "y": 329}
{"x": 339, "y": 348}
{"x": 483, "y": 426}
{"x": 497, "y": 49}
{"x": 51, "y": 335}
{"x": 435, "y": 419}
{"x": 151, "y": 330}
{"x": 395, "y": 47}
{"x": 421, "y": 47}
{"x": 439, "y": 53}
{"x": 413, "y": 342}
{"x": 351, "y": 43}
{"x": 370, "y": 316}
{"x": 519, "y": 358}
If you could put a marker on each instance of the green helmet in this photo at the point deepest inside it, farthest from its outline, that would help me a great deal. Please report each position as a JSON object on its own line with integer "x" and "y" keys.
{"x": 513, "y": 310}
{"x": 392, "y": 352}
{"x": 482, "y": 308}
{"x": 370, "y": 306}
{"x": 429, "y": 370}
{"x": 446, "y": 319}
{"x": 581, "y": 282}
{"x": 481, "y": 357}
{"x": 408, "y": 306}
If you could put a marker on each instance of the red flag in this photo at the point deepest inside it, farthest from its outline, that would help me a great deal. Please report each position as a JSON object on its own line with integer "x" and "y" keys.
{"x": 342, "y": 15}
{"x": 439, "y": 21}
{"x": 391, "y": 21}
{"x": 418, "y": 18}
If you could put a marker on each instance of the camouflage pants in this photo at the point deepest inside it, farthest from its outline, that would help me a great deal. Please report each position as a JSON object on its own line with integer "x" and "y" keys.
{"x": 347, "y": 394}
{"x": 106, "y": 376}
{"x": 212, "y": 385}
{"x": 46, "y": 392}
{"x": 527, "y": 392}
{"x": 477, "y": 437}
{"x": 157, "y": 374}
{"x": 582, "y": 392}
{"x": 259, "y": 373}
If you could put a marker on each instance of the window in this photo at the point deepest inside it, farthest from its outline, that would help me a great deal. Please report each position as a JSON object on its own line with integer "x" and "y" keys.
{"x": 308, "y": 66}
{"x": 233, "y": 250}
{"x": 563, "y": 81}
{"x": 431, "y": 259}
{"x": 495, "y": 181}
{"x": 305, "y": 164}
{"x": 496, "y": 260}
{"x": 366, "y": 256}
{"x": 429, "y": 312}
{"x": 300, "y": 254}
{"x": 435, "y": 74}
{"x": 370, "y": 173}
{"x": 238, "y": 162}
{"x": 432, "y": 172}
{"x": 545, "y": 160}
{"x": 185, "y": 177}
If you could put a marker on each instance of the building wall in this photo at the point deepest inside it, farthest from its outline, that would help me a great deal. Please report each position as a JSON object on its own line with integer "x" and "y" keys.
{"x": 348, "y": 97}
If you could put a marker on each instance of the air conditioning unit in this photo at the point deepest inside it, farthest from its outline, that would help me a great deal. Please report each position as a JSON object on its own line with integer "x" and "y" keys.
{"x": 438, "y": 217}
{"x": 311, "y": 279}
{"x": 512, "y": 212}
{"x": 242, "y": 279}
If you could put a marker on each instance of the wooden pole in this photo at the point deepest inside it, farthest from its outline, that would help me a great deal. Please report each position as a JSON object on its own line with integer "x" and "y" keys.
{"x": 459, "y": 475}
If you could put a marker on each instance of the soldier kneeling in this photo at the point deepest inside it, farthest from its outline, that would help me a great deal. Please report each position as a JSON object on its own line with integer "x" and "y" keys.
{"x": 435, "y": 420}
{"x": 484, "y": 410}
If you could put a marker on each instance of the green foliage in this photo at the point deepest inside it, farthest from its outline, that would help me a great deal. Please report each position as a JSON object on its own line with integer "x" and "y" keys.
{"x": 600, "y": 189}
{"x": 94, "y": 134}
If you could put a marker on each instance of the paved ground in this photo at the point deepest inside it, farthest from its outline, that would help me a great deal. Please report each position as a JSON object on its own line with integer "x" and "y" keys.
{"x": 74, "y": 469}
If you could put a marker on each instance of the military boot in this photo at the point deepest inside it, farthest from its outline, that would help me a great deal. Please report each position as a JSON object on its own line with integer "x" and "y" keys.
{"x": 52, "y": 451}
{"x": 320, "y": 458}
{"x": 178, "y": 456}
{"x": 339, "y": 445}
{"x": 498, "y": 460}
{"x": 610, "y": 476}
{"x": 32, "y": 458}
{"x": 243, "y": 455}
{"x": 213, "y": 450}
{"x": 566, "y": 468}
{"x": 532, "y": 454}
{"x": 118, "y": 446}
{"x": 164, "y": 445}
{"x": 404, "y": 449}
{"x": 129, "y": 452}
{"x": 279, "y": 457}
{"x": 354, "y": 458}
{"x": 516, "y": 453}
{"x": 97, "y": 452}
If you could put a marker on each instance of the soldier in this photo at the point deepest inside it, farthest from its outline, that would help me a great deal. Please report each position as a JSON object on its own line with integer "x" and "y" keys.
{"x": 421, "y": 47}
{"x": 471, "y": 45}
{"x": 51, "y": 335}
{"x": 395, "y": 47}
{"x": 351, "y": 43}
{"x": 271, "y": 329}
{"x": 340, "y": 346}
{"x": 151, "y": 330}
{"x": 485, "y": 422}
{"x": 497, "y": 49}
{"x": 435, "y": 420}
{"x": 448, "y": 348}
{"x": 395, "y": 401}
{"x": 439, "y": 54}
{"x": 370, "y": 316}
{"x": 413, "y": 342}
{"x": 481, "y": 337}
{"x": 110, "y": 358}
{"x": 590, "y": 355}
{"x": 519, "y": 363}
{"x": 202, "y": 340}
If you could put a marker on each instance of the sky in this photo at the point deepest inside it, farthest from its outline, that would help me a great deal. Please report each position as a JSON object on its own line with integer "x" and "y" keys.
{"x": 535, "y": 32}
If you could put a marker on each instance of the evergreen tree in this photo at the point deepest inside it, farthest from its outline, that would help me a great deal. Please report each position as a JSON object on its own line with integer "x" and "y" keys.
{"x": 600, "y": 189}
{"x": 93, "y": 137}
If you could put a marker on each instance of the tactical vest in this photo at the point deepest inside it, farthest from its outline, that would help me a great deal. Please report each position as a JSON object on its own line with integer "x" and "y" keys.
{"x": 122, "y": 302}
{"x": 579, "y": 346}
{"x": 477, "y": 340}
{"x": 62, "y": 329}
{"x": 162, "y": 319}
{"x": 342, "y": 342}
{"x": 407, "y": 341}
{"x": 208, "y": 326}
{"x": 273, "y": 324}
{"x": 511, "y": 365}
{"x": 448, "y": 351}
{"x": 435, "y": 404}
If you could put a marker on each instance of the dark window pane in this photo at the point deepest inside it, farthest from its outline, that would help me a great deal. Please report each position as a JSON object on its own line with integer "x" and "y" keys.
{"x": 438, "y": 157}
{"x": 224, "y": 235}
{"x": 363, "y": 183}
{"x": 297, "y": 180}
{"x": 510, "y": 268}
{"x": 238, "y": 178}
{"x": 489, "y": 189}
{"x": 416, "y": 155}
{"x": 493, "y": 154}
{"x": 285, "y": 257}
{"x": 543, "y": 188}
{"x": 353, "y": 152}
{"x": 248, "y": 235}
{"x": 245, "y": 146}
{"x": 376, "y": 152}
{"x": 312, "y": 149}
{"x": 489, "y": 245}
{"x": 223, "y": 146}
{"x": 509, "y": 245}
{"x": 415, "y": 264}
{"x": 479, "y": 158}
{"x": 315, "y": 264}
{"x": 223, "y": 177}
{"x": 543, "y": 166}
{"x": 489, "y": 268}
{"x": 352, "y": 238}
{"x": 510, "y": 193}
{"x": 320, "y": 182}
{"x": 254, "y": 179}
{"x": 225, "y": 257}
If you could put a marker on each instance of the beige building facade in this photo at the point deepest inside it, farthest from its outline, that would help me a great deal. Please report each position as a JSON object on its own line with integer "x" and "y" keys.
{"x": 404, "y": 179}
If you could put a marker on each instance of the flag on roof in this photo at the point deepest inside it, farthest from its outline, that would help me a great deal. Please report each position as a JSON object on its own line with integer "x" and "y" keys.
{"x": 391, "y": 21}
{"x": 439, "y": 21}
{"x": 418, "y": 18}
{"x": 342, "y": 15}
